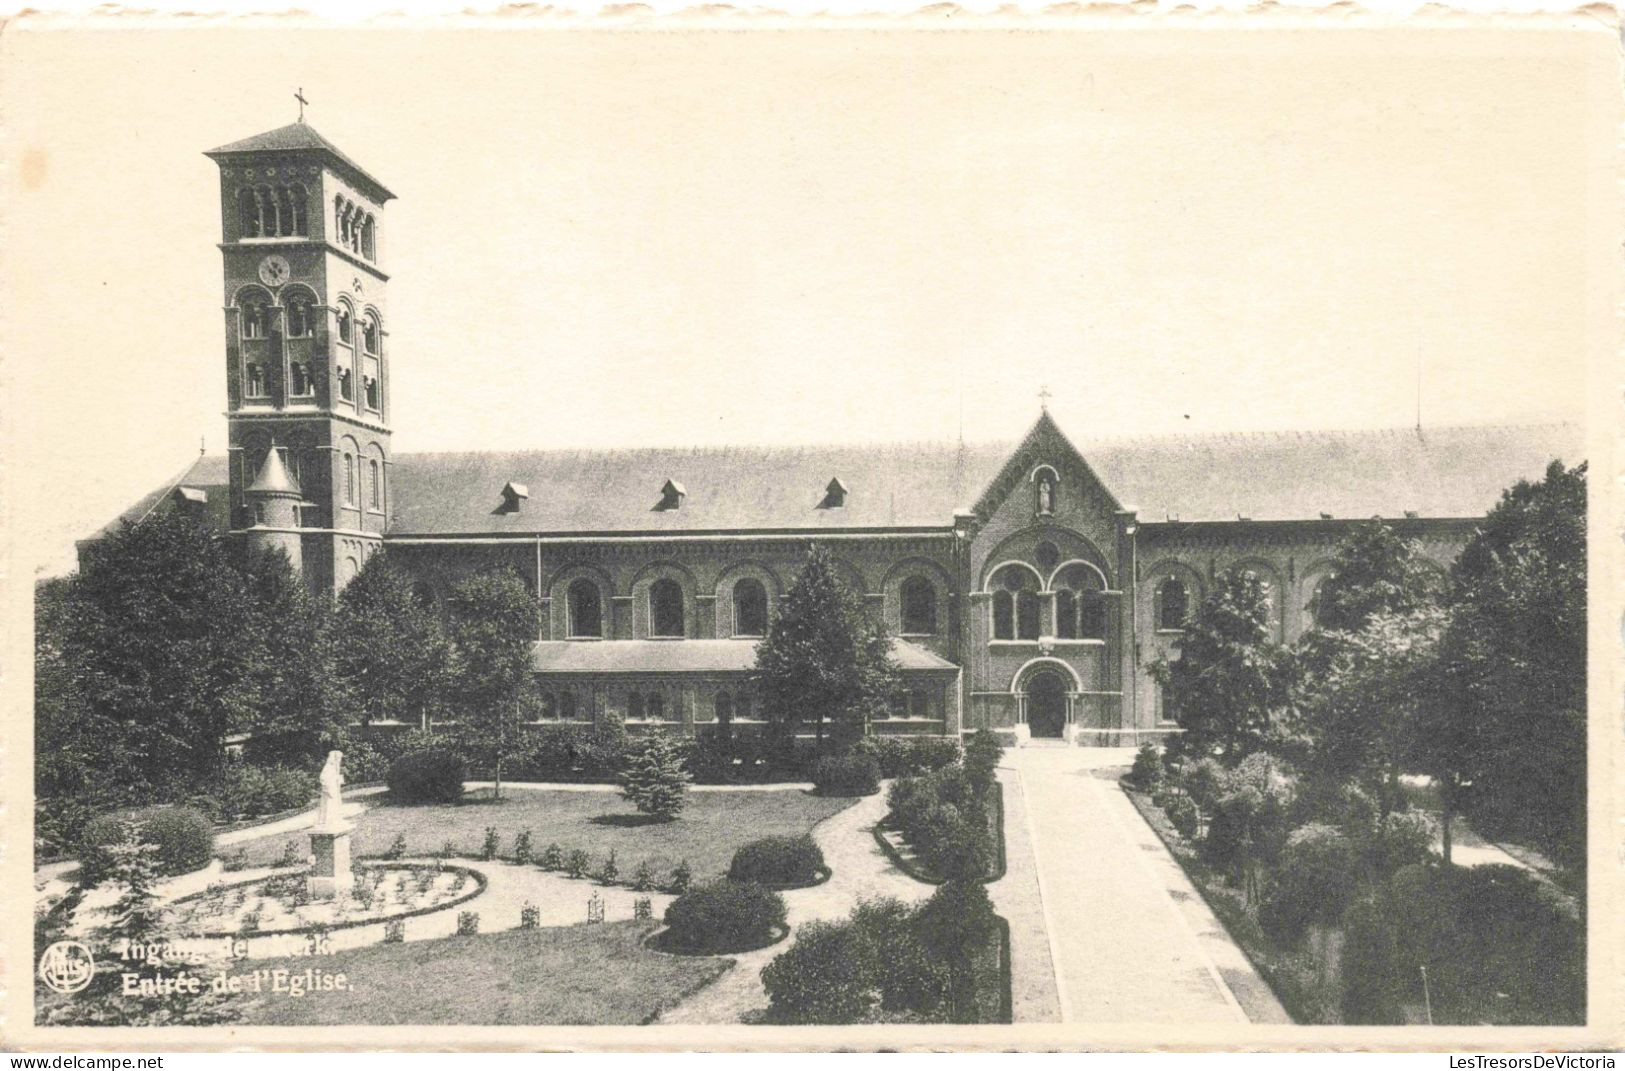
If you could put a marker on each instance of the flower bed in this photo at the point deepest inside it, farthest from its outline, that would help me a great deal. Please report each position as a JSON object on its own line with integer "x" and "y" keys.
{"x": 278, "y": 904}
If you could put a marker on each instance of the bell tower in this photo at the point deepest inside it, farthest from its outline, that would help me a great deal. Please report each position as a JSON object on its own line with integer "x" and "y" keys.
{"x": 307, "y": 351}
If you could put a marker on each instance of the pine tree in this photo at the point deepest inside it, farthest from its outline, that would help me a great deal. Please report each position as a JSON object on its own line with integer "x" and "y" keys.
{"x": 655, "y": 781}
{"x": 132, "y": 867}
{"x": 824, "y": 659}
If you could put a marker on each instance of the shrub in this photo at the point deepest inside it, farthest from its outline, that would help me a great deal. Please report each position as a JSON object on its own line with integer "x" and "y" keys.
{"x": 787, "y": 860}
{"x": 1205, "y": 780}
{"x": 432, "y": 776}
{"x": 1183, "y": 816}
{"x": 552, "y": 857}
{"x": 182, "y": 840}
{"x": 488, "y": 847}
{"x": 468, "y": 923}
{"x": 655, "y": 781}
{"x": 982, "y": 753}
{"x": 954, "y": 926}
{"x": 447, "y": 850}
{"x": 1401, "y": 839}
{"x": 609, "y": 870}
{"x": 522, "y": 848}
{"x": 397, "y": 847}
{"x": 643, "y": 878}
{"x": 394, "y": 931}
{"x": 1314, "y": 882}
{"x": 576, "y": 863}
{"x": 825, "y": 976}
{"x": 363, "y": 762}
{"x": 569, "y": 753}
{"x": 725, "y": 916}
{"x": 244, "y": 790}
{"x": 530, "y": 916}
{"x": 854, "y": 774}
{"x": 681, "y": 878}
{"x": 1147, "y": 769}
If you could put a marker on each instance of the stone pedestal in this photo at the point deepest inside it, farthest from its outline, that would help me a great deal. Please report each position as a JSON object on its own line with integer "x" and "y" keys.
{"x": 330, "y": 875}
{"x": 1023, "y": 733}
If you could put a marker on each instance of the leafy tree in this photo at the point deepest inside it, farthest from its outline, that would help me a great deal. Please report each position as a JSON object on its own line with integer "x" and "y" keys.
{"x": 1230, "y": 678}
{"x": 396, "y": 662}
{"x": 1375, "y": 571}
{"x": 1514, "y": 668}
{"x": 824, "y": 658}
{"x": 156, "y": 647}
{"x": 492, "y": 626}
{"x": 655, "y": 781}
{"x": 288, "y": 646}
{"x": 1365, "y": 719}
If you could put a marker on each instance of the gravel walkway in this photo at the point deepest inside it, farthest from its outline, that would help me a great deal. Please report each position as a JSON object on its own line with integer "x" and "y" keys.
{"x": 859, "y": 870}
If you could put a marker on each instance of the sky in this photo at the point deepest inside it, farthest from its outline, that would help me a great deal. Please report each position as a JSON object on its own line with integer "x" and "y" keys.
{"x": 657, "y": 238}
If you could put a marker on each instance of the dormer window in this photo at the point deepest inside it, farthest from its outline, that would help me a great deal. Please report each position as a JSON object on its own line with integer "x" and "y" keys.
{"x": 834, "y": 495}
{"x": 671, "y": 496}
{"x": 513, "y": 497}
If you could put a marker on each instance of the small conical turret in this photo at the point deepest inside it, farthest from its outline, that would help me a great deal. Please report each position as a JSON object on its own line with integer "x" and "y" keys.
{"x": 275, "y": 496}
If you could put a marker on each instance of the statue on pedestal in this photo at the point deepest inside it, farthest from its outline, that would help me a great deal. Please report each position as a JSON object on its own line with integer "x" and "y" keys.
{"x": 332, "y": 782}
{"x": 330, "y": 840}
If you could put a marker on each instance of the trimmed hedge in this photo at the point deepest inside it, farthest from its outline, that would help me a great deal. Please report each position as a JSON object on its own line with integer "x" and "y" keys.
{"x": 182, "y": 840}
{"x": 854, "y": 774}
{"x": 434, "y": 775}
{"x": 910, "y": 756}
{"x": 786, "y": 861}
{"x": 725, "y": 916}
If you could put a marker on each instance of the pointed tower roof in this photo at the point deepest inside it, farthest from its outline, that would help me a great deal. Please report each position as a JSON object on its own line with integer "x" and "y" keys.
{"x": 296, "y": 137}
{"x": 273, "y": 478}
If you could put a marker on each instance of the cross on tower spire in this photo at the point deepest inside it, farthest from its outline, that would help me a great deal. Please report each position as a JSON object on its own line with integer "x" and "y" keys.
{"x": 1044, "y": 397}
{"x": 299, "y": 95}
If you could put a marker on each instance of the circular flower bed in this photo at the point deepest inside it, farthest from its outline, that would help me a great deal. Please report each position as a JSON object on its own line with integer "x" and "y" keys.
{"x": 280, "y": 904}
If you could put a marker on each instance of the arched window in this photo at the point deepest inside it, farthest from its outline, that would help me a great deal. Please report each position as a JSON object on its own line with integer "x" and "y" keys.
{"x": 1080, "y": 607}
{"x": 256, "y": 314}
{"x": 248, "y": 214}
{"x": 634, "y": 706}
{"x": 1015, "y": 605}
{"x": 300, "y": 383}
{"x": 346, "y": 324}
{"x": 349, "y": 480}
{"x": 586, "y": 611}
{"x": 919, "y": 598}
{"x": 549, "y": 706}
{"x": 1044, "y": 492}
{"x": 665, "y": 608}
{"x": 567, "y": 705}
{"x": 375, "y": 484}
{"x": 750, "y": 607}
{"x": 1173, "y": 604}
{"x": 919, "y": 704}
{"x": 299, "y": 318}
{"x": 368, "y": 237}
{"x": 369, "y": 333}
{"x": 254, "y": 380}
{"x": 725, "y": 708}
{"x": 346, "y": 383}
{"x": 341, "y": 221}
{"x": 1027, "y": 623}
{"x": 369, "y": 391}
{"x": 657, "y": 706}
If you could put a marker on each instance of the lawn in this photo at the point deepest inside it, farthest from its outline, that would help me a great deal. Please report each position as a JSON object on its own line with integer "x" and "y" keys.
{"x": 712, "y": 826}
{"x": 561, "y": 975}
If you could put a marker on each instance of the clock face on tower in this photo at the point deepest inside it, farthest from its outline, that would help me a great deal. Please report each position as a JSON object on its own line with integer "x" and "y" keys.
{"x": 274, "y": 271}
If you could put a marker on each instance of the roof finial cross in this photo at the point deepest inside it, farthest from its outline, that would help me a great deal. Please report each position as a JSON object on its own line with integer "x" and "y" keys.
{"x": 1043, "y": 398}
{"x": 299, "y": 96}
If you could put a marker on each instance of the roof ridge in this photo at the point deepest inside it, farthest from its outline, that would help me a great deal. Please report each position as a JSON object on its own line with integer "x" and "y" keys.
{"x": 914, "y": 445}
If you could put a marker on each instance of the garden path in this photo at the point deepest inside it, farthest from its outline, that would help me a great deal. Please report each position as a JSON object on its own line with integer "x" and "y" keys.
{"x": 859, "y": 870}
{"x": 1131, "y": 939}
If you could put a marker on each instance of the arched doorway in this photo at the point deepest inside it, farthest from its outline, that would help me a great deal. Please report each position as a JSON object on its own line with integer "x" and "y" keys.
{"x": 1046, "y": 703}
